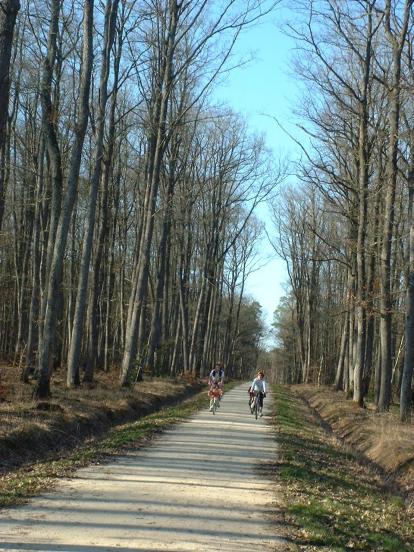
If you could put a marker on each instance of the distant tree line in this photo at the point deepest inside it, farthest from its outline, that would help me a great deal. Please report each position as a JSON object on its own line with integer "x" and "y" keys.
{"x": 126, "y": 196}
{"x": 347, "y": 231}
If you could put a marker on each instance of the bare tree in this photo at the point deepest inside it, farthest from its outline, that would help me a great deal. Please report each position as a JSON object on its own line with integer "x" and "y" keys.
{"x": 59, "y": 241}
{"x": 397, "y": 39}
{"x": 75, "y": 342}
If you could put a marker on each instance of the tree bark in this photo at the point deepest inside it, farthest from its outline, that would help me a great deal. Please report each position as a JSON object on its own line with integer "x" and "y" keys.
{"x": 363, "y": 161}
{"x": 407, "y": 374}
{"x": 8, "y": 13}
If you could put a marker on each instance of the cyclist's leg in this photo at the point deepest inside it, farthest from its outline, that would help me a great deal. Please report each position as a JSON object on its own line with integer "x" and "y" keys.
{"x": 221, "y": 392}
{"x": 261, "y": 404}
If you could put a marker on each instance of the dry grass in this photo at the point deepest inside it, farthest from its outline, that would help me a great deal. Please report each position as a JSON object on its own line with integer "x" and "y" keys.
{"x": 381, "y": 438}
{"x": 18, "y": 485}
{"x": 32, "y": 430}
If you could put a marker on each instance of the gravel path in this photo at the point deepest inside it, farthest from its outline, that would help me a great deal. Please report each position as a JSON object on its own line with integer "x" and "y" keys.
{"x": 196, "y": 487}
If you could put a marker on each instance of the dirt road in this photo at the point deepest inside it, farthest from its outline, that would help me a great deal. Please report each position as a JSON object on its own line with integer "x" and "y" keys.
{"x": 197, "y": 487}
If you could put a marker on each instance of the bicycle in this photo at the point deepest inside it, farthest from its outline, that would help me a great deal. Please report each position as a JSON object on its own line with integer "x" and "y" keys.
{"x": 256, "y": 407}
{"x": 214, "y": 403}
{"x": 214, "y": 395}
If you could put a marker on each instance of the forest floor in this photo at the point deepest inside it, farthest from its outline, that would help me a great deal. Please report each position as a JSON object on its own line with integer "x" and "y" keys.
{"x": 343, "y": 486}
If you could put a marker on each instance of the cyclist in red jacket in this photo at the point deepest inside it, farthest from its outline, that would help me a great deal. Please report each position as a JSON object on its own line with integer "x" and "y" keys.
{"x": 216, "y": 379}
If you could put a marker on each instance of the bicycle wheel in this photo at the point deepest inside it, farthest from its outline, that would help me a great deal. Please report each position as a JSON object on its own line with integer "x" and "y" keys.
{"x": 256, "y": 407}
{"x": 214, "y": 405}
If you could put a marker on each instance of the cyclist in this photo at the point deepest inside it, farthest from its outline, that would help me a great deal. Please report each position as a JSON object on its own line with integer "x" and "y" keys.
{"x": 216, "y": 379}
{"x": 214, "y": 392}
{"x": 217, "y": 374}
{"x": 258, "y": 387}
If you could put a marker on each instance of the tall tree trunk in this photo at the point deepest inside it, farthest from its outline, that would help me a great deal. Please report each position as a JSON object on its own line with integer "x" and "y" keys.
{"x": 386, "y": 302}
{"x": 156, "y": 152}
{"x": 363, "y": 169}
{"x": 407, "y": 375}
{"x": 193, "y": 358}
{"x": 77, "y": 330}
{"x": 32, "y": 337}
{"x": 339, "y": 377}
{"x": 43, "y": 388}
{"x": 8, "y": 14}
{"x": 97, "y": 277}
{"x": 53, "y": 271}
{"x": 371, "y": 276}
{"x": 349, "y": 380}
{"x": 155, "y": 332}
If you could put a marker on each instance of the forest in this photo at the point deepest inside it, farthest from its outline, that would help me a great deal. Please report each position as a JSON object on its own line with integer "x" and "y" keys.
{"x": 347, "y": 231}
{"x": 127, "y": 195}
{"x": 136, "y": 208}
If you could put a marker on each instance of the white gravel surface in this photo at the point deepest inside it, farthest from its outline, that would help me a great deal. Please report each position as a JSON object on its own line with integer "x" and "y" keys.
{"x": 197, "y": 487}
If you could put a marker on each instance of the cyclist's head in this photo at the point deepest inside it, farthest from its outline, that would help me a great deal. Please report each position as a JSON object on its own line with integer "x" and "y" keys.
{"x": 260, "y": 374}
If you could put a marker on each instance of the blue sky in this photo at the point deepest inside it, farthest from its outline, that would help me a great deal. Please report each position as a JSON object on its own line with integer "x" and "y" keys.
{"x": 263, "y": 89}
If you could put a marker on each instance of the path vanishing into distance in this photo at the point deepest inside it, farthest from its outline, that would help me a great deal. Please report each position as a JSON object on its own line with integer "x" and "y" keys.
{"x": 198, "y": 486}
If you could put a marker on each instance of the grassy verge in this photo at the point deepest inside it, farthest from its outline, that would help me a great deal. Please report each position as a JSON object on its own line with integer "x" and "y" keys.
{"x": 17, "y": 486}
{"x": 332, "y": 501}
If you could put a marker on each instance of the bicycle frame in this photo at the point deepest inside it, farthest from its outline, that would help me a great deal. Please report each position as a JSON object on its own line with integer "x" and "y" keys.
{"x": 214, "y": 395}
{"x": 257, "y": 403}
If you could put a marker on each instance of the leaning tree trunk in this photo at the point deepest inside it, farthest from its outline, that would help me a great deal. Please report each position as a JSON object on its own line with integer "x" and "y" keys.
{"x": 49, "y": 301}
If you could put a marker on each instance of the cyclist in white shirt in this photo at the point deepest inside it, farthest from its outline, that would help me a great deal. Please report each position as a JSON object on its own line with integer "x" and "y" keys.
{"x": 258, "y": 387}
{"x": 217, "y": 375}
